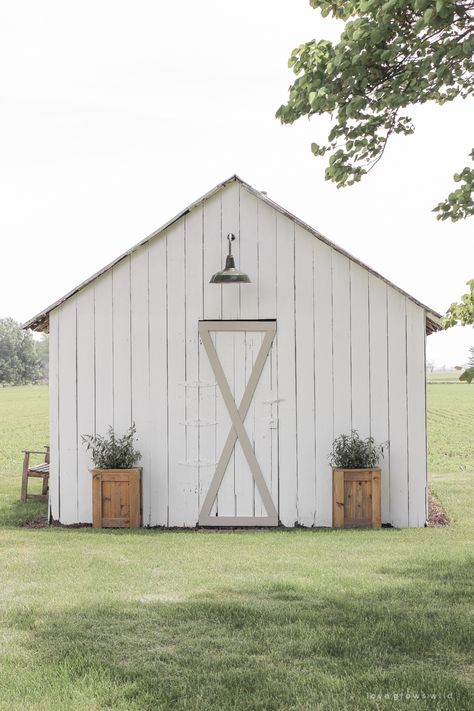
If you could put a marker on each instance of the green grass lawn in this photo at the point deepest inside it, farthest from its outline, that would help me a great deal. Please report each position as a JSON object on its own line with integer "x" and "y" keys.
{"x": 315, "y": 620}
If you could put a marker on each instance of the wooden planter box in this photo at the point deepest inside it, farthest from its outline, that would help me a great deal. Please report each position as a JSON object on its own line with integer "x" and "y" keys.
{"x": 356, "y": 498}
{"x": 117, "y": 498}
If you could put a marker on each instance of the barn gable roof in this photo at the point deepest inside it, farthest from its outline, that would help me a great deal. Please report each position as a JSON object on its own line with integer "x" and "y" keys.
{"x": 40, "y": 322}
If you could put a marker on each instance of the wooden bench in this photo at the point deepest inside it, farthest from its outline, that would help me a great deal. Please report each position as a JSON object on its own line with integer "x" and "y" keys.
{"x": 40, "y": 471}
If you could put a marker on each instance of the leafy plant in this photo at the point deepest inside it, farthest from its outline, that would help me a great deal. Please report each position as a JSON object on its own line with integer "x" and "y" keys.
{"x": 467, "y": 376}
{"x": 391, "y": 56}
{"x": 462, "y": 312}
{"x": 113, "y": 452}
{"x": 353, "y": 452}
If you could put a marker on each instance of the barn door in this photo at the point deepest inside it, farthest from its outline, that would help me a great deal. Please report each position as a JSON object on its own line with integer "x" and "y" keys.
{"x": 239, "y": 492}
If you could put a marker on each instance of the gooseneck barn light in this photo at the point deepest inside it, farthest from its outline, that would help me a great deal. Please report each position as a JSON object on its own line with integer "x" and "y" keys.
{"x": 230, "y": 275}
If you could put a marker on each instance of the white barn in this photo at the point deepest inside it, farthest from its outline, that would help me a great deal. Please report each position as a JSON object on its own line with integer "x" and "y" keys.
{"x": 346, "y": 351}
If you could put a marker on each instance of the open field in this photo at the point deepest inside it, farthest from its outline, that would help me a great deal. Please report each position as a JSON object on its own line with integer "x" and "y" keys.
{"x": 300, "y": 619}
{"x": 451, "y": 428}
{"x": 444, "y": 376}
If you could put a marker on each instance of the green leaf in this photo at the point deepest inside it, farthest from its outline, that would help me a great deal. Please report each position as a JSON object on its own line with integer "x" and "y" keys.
{"x": 428, "y": 15}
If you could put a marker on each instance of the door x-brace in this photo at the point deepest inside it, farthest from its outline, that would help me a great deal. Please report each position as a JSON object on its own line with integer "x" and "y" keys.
{"x": 237, "y": 417}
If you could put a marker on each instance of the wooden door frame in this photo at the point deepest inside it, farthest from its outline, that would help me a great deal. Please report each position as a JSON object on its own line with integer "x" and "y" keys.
{"x": 237, "y": 416}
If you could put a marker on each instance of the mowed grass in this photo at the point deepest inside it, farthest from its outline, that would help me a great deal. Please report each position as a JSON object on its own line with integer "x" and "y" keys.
{"x": 23, "y": 425}
{"x": 451, "y": 428}
{"x": 296, "y": 619}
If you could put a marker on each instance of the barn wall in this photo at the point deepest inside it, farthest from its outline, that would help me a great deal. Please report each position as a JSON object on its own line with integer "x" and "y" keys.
{"x": 349, "y": 353}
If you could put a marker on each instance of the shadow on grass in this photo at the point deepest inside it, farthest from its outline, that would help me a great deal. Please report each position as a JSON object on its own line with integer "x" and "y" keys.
{"x": 275, "y": 646}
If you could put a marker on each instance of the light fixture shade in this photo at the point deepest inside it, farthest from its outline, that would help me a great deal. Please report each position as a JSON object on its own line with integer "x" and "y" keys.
{"x": 230, "y": 275}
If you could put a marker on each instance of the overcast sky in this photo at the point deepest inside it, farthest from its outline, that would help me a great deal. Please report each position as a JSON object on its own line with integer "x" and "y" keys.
{"x": 116, "y": 115}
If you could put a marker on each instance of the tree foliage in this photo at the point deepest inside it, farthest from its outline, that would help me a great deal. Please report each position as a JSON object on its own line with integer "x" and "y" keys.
{"x": 391, "y": 54}
{"x": 461, "y": 313}
{"x": 19, "y": 361}
{"x": 42, "y": 351}
{"x": 467, "y": 376}
{"x": 460, "y": 202}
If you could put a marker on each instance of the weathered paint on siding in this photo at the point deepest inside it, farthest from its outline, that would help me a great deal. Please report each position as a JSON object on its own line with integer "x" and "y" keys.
{"x": 349, "y": 353}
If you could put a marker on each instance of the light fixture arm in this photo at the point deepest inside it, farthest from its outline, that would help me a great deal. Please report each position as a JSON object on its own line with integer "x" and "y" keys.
{"x": 230, "y": 275}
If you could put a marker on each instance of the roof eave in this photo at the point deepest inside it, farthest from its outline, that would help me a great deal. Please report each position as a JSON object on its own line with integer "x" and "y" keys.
{"x": 433, "y": 322}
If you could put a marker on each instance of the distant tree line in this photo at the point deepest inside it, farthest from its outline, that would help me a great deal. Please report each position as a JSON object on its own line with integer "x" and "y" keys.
{"x": 22, "y": 359}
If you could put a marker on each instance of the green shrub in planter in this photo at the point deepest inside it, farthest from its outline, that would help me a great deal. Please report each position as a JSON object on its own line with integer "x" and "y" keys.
{"x": 353, "y": 452}
{"x": 113, "y": 452}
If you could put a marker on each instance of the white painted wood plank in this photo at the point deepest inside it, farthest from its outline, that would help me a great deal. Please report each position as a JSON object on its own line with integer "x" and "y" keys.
{"x": 397, "y": 408}
{"x": 212, "y": 309}
{"x": 158, "y": 382}
{"x": 104, "y": 373}
{"x": 266, "y": 434}
{"x": 179, "y": 473}
{"x": 194, "y": 312}
{"x": 230, "y": 220}
{"x": 323, "y": 380}
{"x": 248, "y": 256}
{"x": 305, "y": 363}
{"x": 67, "y": 413}
{"x": 249, "y": 263}
{"x": 360, "y": 349}
{"x": 140, "y": 354}
{"x": 224, "y": 344}
{"x": 244, "y": 482}
{"x": 85, "y": 399}
{"x": 212, "y": 257}
{"x": 208, "y": 453}
{"x": 285, "y": 343}
{"x": 417, "y": 474}
{"x": 379, "y": 409}
{"x": 54, "y": 415}
{"x": 341, "y": 344}
{"x": 121, "y": 345}
{"x": 257, "y": 420}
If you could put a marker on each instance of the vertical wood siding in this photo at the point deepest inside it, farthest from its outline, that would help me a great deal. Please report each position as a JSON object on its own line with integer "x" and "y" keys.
{"x": 140, "y": 368}
{"x": 68, "y": 445}
{"x": 194, "y": 310}
{"x": 54, "y": 415}
{"x": 348, "y": 354}
{"x": 286, "y": 345}
{"x": 323, "y": 380}
{"x": 158, "y": 403}
{"x": 305, "y": 374}
{"x": 397, "y": 389}
{"x": 85, "y": 397}
{"x": 416, "y": 414}
{"x": 122, "y": 352}
{"x": 378, "y": 358}
{"x": 266, "y": 396}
